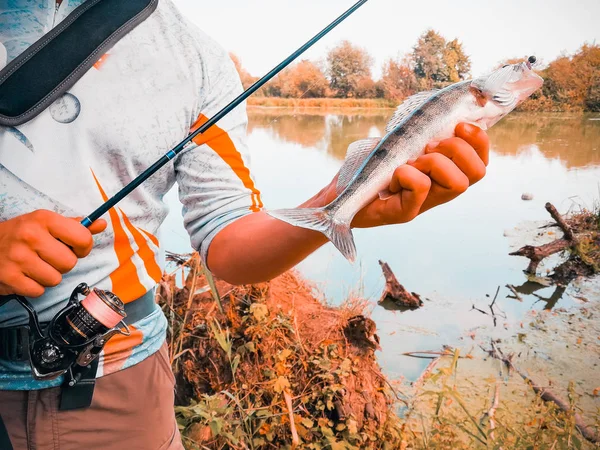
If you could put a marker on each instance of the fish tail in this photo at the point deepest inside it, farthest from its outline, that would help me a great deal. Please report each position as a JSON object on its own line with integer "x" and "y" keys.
{"x": 322, "y": 220}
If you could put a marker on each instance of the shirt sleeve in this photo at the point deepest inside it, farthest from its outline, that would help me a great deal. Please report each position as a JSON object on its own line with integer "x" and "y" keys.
{"x": 215, "y": 185}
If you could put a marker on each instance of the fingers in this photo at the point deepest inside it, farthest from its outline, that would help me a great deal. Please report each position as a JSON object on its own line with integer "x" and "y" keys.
{"x": 21, "y": 285}
{"x": 42, "y": 273}
{"x": 411, "y": 187}
{"x": 477, "y": 138}
{"x": 57, "y": 254}
{"x": 71, "y": 233}
{"x": 463, "y": 156}
{"x": 98, "y": 226}
{"x": 442, "y": 172}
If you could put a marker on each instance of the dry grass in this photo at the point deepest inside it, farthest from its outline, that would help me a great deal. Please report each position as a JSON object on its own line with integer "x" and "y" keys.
{"x": 321, "y": 103}
{"x": 276, "y": 369}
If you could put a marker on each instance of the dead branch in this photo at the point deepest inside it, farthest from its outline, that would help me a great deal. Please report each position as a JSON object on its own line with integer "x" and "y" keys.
{"x": 395, "y": 292}
{"x": 515, "y": 293}
{"x": 491, "y": 413}
{"x": 561, "y": 222}
{"x": 547, "y": 395}
{"x": 536, "y": 254}
{"x": 288, "y": 403}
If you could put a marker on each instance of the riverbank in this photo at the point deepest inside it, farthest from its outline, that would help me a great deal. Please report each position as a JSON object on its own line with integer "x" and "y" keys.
{"x": 271, "y": 366}
{"x": 328, "y": 104}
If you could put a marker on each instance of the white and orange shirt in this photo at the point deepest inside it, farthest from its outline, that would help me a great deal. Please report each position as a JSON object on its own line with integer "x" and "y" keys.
{"x": 140, "y": 99}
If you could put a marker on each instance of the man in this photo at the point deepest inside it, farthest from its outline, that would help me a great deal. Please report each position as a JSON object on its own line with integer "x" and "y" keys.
{"x": 155, "y": 85}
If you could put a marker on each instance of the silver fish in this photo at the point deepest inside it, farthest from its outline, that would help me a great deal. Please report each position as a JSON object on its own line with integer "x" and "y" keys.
{"x": 423, "y": 118}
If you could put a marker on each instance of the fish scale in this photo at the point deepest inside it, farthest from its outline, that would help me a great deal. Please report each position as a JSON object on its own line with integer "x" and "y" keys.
{"x": 425, "y": 117}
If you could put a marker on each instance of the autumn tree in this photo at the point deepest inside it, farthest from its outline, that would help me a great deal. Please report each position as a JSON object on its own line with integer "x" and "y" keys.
{"x": 573, "y": 82}
{"x": 305, "y": 80}
{"x": 349, "y": 70}
{"x": 437, "y": 62}
{"x": 245, "y": 77}
{"x": 398, "y": 80}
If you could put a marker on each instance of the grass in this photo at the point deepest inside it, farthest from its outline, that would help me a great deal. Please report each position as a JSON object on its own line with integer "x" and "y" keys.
{"x": 321, "y": 103}
{"x": 279, "y": 369}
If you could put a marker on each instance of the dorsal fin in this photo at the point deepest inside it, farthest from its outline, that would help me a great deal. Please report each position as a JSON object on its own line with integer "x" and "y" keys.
{"x": 355, "y": 155}
{"x": 407, "y": 107}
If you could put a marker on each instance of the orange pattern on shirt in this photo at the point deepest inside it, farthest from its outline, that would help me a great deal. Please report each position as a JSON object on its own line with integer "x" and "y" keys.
{"x": 125, "y": 280}
{"x": 218, "y": 139}
{"x": 119, "y": 348}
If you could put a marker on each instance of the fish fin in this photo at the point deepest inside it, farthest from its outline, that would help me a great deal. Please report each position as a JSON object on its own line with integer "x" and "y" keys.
{"x": 319, "y": 219}
{"x": 355, "y": 155}
{"x": 385, "y": 194}
{"x": 408, "y": 106}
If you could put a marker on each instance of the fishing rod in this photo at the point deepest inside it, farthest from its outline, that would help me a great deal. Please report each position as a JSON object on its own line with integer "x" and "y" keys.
{"x": 79, "y": 331}
{"x": 124, "y": 192}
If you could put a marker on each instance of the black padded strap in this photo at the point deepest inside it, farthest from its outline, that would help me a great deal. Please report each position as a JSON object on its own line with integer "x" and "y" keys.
{"x": 47, "y": 69}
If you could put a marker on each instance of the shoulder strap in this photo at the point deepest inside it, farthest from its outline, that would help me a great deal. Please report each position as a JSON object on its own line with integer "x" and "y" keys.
{"x": 53, "y": 64}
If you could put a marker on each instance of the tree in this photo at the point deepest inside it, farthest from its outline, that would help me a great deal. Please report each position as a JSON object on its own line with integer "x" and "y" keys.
{"x": 305, "y": 80}
{"x": 349, "y": 67}
{"x": 245, "y": 77}
{"x": 438, "y": 63}
{"x": 398, "y": 80}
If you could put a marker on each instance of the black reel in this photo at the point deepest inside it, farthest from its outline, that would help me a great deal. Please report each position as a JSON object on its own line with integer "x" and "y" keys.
{"x": 76, "y": 335}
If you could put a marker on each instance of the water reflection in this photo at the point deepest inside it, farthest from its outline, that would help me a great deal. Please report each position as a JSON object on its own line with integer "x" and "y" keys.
{"x": 571, "y": 138}
{"x": 453, "y": 255}
{"x": 574, "y": 139}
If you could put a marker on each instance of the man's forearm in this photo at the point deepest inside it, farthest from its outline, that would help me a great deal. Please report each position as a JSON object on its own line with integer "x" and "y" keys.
{"x": 258, "y": 247}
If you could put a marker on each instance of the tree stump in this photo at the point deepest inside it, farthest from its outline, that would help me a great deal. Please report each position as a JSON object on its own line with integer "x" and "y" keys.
{"x": 395, "y": 292}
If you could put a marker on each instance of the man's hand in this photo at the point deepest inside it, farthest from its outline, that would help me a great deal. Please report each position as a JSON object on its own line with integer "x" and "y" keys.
{"x": 271, "y": 246}
{"x": 37, "y": 248}
{"x": 444, "y": 172}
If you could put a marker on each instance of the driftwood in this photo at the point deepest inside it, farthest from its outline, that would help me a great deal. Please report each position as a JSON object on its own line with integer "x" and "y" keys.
{"x": 536, "y": 254}
{"x": 395, "y": 292}
{"x": 587, "y": 431}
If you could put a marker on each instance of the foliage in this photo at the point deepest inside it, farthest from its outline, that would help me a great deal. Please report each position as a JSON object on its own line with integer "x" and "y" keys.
{"x": 302, "y": 80}
{"x": 571, "y": 83}
{"x": 265, "y": 374}
{"x": 398, "y": 80}
{"x": 437, "y": 62}
{"x": 349, "y": 70}
{"x": 245, "y": 77}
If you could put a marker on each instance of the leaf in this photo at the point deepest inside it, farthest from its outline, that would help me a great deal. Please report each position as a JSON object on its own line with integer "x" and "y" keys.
{"x": 216, "y": 425}
{"x": 259, "y": 311}
{"x": 284, "y": 354}
{"x": 308, "y": 423}
{"x": 222, "y": 338}
{"x": 235, "y": 364}
{"x": 281, "y": 384}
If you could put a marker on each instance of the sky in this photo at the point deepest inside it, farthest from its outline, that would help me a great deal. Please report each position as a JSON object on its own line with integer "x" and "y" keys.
{"x": 263, "y": 32}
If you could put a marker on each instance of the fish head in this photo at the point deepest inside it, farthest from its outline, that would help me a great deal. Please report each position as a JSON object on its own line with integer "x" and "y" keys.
{"x": 501, "y": 91}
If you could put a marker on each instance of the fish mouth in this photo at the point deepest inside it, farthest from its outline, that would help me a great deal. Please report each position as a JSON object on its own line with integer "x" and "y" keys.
{"x": 528, "y": 83}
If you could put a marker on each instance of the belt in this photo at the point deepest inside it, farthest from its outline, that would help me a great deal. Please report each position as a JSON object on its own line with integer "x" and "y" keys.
{"x": 14, "y": 341}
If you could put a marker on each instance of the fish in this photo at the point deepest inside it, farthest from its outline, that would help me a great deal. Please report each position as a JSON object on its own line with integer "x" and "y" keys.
{"x": 425, "y": 117}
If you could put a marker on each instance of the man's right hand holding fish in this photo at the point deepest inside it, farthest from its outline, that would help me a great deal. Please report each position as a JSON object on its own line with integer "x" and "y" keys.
{"x": 271, "y": 246}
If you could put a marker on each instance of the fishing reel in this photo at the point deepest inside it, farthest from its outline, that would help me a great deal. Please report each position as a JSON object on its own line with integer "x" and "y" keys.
{"x": 76, "y": 335}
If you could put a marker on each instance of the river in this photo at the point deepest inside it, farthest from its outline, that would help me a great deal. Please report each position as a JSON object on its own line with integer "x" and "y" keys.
{"x": 455, "y": 255}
